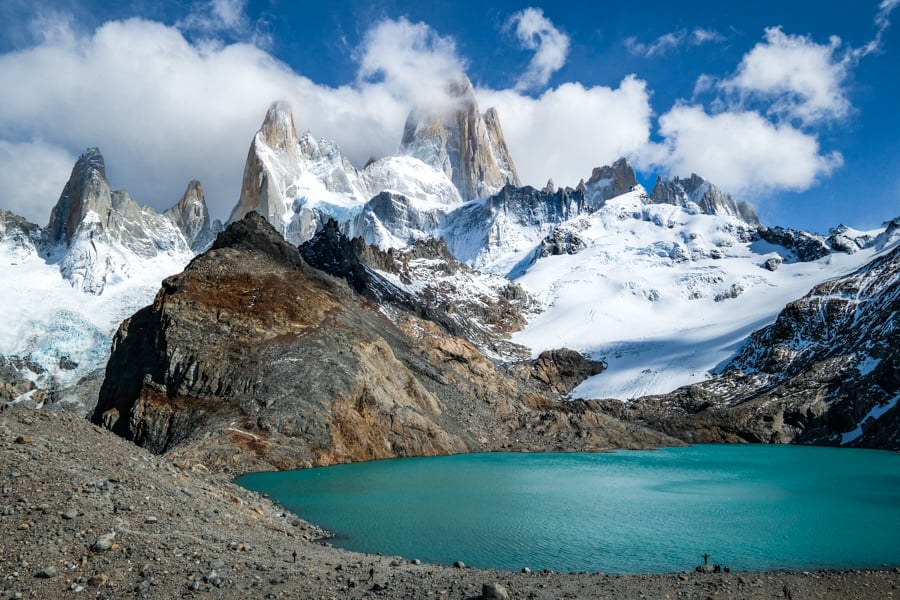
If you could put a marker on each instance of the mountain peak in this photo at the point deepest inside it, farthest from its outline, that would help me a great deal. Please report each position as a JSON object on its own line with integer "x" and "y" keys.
{"x": 456, "y": 138}
{"x": 191, "y": 216}
{"x": 711, "y": 199}
{"x": 610, "y": 181}
{"x": 278, "y": 129}
{"x": 87, "y": 190}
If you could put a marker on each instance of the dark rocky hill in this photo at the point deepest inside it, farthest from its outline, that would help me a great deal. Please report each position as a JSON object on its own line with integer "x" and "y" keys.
{"x": 252, "y": 359}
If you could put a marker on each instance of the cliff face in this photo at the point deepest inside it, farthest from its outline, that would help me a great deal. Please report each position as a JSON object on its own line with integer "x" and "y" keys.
{"x": 250, "y": 358}
{"x": 465, "y": 144}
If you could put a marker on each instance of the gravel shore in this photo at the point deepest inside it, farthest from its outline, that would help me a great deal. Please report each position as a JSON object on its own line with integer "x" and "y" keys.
{"x": 84, "y": 513}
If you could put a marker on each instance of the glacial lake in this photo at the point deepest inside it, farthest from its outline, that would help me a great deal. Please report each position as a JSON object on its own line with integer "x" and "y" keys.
{"x": 750, "y": 507}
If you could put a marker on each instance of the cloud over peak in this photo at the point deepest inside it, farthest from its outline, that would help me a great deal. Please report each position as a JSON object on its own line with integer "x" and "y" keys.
{"x": 551, "y": 47}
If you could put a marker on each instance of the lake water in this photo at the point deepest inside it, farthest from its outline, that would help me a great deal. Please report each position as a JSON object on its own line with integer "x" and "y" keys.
{"x": 750, "y": 507}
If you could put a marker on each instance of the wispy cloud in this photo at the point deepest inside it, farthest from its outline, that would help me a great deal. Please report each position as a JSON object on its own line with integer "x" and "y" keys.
{"x": 551, "y": 46}
{"x": 882, "y": 22}
{"x": 214, "y": 17}
{"x": 673, "y": 40}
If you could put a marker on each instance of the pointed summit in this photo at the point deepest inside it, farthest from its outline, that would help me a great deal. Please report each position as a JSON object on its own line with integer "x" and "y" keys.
{"x": 278, "y": 129}
{"x": 459, "y": 140}
{"x": 192, "y": 217}
{"x": 610, "y": 181}
{"x": 87, "y": 190}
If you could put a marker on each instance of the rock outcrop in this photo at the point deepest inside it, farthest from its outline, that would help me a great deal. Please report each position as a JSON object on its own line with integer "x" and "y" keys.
{"x": 610, "y": 181}
{"x": 428, "y": 281}
{"x": 457, "y": 139}
{"x": 709, "y": 199}
{"x": 252, "y": 358}
{"x": 191, "y": 216}
{"x": 20, "y": 237}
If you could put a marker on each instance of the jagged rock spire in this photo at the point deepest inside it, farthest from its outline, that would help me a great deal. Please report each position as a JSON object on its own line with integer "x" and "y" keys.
{"x": 712, "y": 200}
{"x": 191, "y": 216}
{"x": 86, "y": 190}
{"x": 456, "y": 138}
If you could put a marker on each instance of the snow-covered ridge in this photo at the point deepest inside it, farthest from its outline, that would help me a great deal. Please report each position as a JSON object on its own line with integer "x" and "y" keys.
{"x": 665, "y": 294}
{"x": 298, "y": 183}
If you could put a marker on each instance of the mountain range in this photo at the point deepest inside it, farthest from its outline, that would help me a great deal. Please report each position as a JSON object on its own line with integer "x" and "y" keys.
{"x": 429, "y": 303}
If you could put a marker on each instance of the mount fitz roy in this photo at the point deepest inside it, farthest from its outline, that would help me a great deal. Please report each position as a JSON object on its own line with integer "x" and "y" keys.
{"x": 429, "y": 303}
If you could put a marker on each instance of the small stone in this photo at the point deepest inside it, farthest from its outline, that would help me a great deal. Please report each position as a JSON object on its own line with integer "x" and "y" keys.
{"x": 494, "y": 591}
{"x": 151, "y": 520}
{"x": 104, "y": 542}
{"x": 47, "y": 573}
{"x": 25, "y": 439}
{"x": 459, "y": 565}
{"x": 98, "y": 580}
{"x": 682, "y": 577}
{"x": 416, "y": 561}
{"x": 69, "y": 514}
{"x": 526, "y": 570}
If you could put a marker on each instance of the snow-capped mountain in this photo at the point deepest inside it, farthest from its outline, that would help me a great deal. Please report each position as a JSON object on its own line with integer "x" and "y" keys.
{"x": 460, "y": 141}
{"x": 664, "y": 294}
{"x": 101, "y": 257}
{"x": 709, "y": 199}
{"x": 297, "y": 184}
{"x": 663, "y": 287}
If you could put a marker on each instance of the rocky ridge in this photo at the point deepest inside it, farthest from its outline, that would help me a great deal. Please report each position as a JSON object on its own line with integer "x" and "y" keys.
{"x": 708, "y": 198}
{"x": 100, "y": 230}
{"x": 427, "y": 280}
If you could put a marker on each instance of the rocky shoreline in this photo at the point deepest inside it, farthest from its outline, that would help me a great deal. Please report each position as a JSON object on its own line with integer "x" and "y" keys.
{"x": 84, "y": 513}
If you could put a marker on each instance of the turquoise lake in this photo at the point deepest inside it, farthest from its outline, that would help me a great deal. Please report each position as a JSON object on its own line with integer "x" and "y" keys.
{"x": 750, "y": 507}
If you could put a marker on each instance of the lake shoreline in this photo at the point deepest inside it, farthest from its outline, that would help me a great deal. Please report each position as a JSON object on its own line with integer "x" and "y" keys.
{"x": 82, "y": 510}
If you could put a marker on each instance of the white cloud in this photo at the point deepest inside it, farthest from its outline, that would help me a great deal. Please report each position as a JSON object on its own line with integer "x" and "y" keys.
{"x": 213, "y": 17}
{"x": 673, "y": 40}
{"x": 740, "y": 151}
{"x": 30, "y": 173}
{"x": 882, "y": 22}
{"x": 551, "y": 46}
{"x": 411, "y": 60}
{"x": 798, "y": 78}
{"x": 164, "y": 112}
{"x": 569, "y": 130}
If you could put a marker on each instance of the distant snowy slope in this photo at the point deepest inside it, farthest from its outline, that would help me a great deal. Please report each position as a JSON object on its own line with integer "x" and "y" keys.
{"x": 664, "y": 294}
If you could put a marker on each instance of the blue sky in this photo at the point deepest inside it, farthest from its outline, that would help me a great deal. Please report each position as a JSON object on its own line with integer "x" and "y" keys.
{"x": 790, "y": 105}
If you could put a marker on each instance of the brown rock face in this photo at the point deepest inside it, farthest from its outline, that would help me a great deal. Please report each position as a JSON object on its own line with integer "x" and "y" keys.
{"x": 251, "y": 359}
{"x": 465, "y": 144}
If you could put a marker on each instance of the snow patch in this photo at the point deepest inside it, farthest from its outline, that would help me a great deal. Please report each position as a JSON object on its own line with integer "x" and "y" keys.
{"x": 873, "y": 414}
